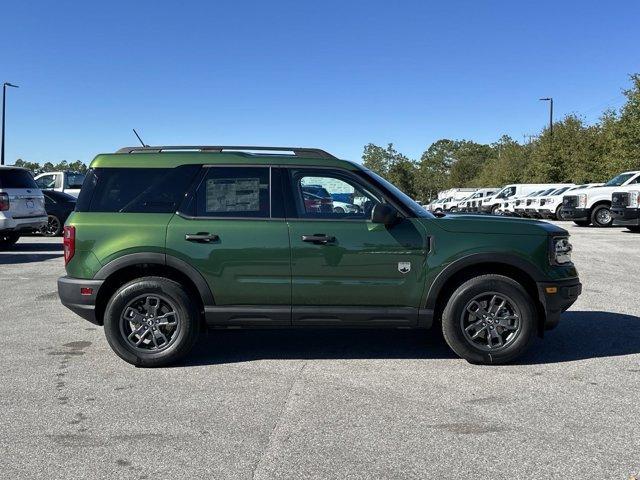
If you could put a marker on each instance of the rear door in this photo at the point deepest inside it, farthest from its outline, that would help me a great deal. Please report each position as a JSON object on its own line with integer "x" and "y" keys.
{"x": 345, "y": 269}
{"x": 232, "y": 230}
{"x": 25, "y": 199}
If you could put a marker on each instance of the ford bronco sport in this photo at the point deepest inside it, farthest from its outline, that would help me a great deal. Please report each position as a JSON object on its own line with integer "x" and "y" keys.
{"x": 167, "y": 240}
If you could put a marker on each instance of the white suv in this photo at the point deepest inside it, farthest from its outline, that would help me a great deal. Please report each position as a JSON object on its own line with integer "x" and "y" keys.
{"x": 21, "y": 205}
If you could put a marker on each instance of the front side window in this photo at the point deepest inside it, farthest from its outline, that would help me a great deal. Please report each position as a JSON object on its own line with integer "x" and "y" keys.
{"x": 619, "y": 180}
{"x": 332, "y": 195}
{"x": 234, "y": 192}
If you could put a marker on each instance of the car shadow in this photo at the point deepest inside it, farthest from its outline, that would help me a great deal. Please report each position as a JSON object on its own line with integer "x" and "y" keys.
{"x": 580, "y": 335}
{"x": 30, "y": 252}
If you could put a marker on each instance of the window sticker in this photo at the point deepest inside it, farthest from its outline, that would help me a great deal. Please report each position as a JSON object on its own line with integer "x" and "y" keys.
{"x": 233, "y": 195}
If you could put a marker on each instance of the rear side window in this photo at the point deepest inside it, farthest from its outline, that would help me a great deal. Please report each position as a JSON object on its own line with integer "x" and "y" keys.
{"x": 135, "y": 190}
{"x": 16, "y": 178}
{"x": 74, "y": 180}
{"x": 234, "y": 192}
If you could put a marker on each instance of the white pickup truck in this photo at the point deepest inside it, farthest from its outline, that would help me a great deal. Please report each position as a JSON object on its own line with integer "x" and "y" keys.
{"x": 593, "y": 205}
{"x": 66, "y": 182}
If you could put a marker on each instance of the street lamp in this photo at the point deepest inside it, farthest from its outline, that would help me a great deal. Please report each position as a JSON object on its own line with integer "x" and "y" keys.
{"x": 550, "y": 100}
{"x": 4, "y": 95}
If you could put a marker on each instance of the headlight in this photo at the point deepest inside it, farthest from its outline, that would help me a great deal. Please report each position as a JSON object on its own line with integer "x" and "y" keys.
{"x": 634, "y": 199}
{"x": 582, "y": 200}
{"x": 560, "y": 251}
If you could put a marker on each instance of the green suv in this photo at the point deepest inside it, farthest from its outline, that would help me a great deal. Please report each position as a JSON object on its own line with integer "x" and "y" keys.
{"x": 167, "y": 240}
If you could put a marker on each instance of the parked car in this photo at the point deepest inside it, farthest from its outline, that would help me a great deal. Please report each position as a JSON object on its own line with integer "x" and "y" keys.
{"x": 492, "y": 203}
{"x": 344, "y": 207}
{"x": 550, "y": 206}
{"x": 531, "y": 205}
{"x": 21, "y": 205}
{"x": 66, "y": 182}
{"x": 625, "y": 208}
{"x": 474, "y": 201}
{"x": 161, "y": 244}
{"x": 58, "y": 206}
{"x": 593, "y": 205}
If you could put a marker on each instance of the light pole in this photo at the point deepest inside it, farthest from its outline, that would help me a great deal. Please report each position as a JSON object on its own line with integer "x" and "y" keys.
{"x": 550, "y": 100}
{"x": 4, "y": 95}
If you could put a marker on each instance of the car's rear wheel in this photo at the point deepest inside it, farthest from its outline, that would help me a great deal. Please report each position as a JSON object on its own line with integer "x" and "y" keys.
{"x": 151, "y": 322}
{"x": 489, "y": 319}
{"x": 53, "y": 228}
{"x": 601, "y": 216}
{"x": 8, "y": 240}
{"x": 338, "y": 210}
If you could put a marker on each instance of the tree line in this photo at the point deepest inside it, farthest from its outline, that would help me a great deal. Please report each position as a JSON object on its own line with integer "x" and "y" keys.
{"x": 575, "y": 153}
{"x": 36, "y": 168}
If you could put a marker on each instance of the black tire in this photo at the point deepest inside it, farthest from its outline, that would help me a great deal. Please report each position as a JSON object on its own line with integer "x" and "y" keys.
{"x": 338, "y": 210}
{"x": 453, "y": 318}
{"x": 8, "y": 239}
{"x": 634, "y": 228}
{"x": 494, "y": 210}
{"x": 582, "y": 223}
{"x": 597, "y": 215}
{"x": 453, "y": 210}
{"x": 176, "y": 298}
{"x": 560, "y": 213}
{"x": 53, "y": 227}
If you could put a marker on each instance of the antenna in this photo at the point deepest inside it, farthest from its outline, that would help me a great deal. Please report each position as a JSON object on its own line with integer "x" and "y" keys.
{"x": 136, "y": 133}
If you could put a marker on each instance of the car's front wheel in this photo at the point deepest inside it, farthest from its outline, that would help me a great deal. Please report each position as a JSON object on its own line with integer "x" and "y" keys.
{"x": 601, "y": 216}
{"x": 489, "y": 319}
{"x": 560, "y": 213}
{"x": 151, "y": 322}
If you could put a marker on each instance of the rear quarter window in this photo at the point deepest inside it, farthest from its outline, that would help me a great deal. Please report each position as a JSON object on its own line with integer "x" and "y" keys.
{"x": 135, "y": 190}
{"x": 10, "y": 178}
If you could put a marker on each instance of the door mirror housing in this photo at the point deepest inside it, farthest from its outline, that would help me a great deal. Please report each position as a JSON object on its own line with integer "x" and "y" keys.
{"x": 384, "y": 214}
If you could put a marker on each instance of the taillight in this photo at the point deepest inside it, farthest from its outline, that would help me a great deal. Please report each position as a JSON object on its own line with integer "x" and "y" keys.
{"x": 4, "y": 202}
{"x": 69, "y": 243}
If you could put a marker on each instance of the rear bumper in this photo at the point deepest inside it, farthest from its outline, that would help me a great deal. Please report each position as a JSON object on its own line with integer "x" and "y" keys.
{"x": 26, "y": 224}
{"x": 566, "y": 293}
{"x": 84, "y": 305}
{"x": 576, "y": 213}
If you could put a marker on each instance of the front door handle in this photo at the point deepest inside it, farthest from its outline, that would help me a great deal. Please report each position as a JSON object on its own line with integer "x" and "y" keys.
{"x": 201, "y": 237}
{"x": 318, "y": 239}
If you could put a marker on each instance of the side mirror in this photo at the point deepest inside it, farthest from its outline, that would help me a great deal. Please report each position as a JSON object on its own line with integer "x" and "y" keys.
{"x": 384, "y": 214}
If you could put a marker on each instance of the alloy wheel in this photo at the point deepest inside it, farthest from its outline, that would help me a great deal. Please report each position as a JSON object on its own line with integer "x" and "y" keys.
{"x": 491, "y": 321}
{"x": 52, "y": 228}
{"x": 150, "y": 323}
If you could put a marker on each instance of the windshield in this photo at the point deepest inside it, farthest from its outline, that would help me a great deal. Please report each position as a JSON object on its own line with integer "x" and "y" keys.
{"x": 619, "y": 180}
{"x": 560, "y": 190}
{"x": 406, "y": 200}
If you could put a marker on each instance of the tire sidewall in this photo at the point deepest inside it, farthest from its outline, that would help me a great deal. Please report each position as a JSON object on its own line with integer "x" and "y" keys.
{"x": 452, "y": 328}
{"x": 184, "y": 308}
{"x": 594, "y": 216}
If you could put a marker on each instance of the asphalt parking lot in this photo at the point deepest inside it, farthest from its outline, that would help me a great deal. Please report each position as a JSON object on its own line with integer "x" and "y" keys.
{"x": 322, "y": 404}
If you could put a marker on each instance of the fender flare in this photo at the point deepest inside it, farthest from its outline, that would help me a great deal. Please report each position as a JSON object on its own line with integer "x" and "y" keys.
{"x": 497, "y": 258}
{"x": 163, "y": 259}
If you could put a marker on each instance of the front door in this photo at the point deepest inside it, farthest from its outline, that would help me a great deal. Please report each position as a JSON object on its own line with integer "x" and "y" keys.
{"x": 232, "y": 231}
{"x": 345, "y": 269}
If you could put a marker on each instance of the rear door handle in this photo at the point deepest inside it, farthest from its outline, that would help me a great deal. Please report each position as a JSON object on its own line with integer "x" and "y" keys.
{"x": 318, "y": 239}
{"x": 201, "y": 237}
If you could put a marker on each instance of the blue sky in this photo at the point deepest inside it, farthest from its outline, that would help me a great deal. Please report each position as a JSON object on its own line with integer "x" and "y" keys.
{"x": 331, "y": 74}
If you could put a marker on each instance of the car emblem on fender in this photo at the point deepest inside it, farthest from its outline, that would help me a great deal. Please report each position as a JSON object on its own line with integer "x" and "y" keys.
{"x": 404, "y": 267}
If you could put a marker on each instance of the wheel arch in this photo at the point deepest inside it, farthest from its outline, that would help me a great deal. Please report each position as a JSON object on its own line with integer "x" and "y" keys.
{"x": 136, "y": 265}
{"x": 456, "y": 273}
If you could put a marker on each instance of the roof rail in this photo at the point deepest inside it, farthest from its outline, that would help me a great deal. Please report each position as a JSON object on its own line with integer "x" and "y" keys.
{"x": 297, "y": 151}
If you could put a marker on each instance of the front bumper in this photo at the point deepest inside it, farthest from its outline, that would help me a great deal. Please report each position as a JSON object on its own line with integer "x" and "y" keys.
{"x": 72, "y": 297}
{"x": 546, "y": 213}
{"x": 576, "y": 213}
{"x": 557, "y": 297}
{"x": 631, "y": 215}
